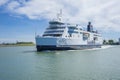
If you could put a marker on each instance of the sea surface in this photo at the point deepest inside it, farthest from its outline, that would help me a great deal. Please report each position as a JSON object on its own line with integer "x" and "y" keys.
{"x": 25, "y": 63}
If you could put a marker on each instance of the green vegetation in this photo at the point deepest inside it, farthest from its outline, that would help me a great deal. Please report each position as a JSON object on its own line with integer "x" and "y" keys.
{"x": 105, "y": 42}
{"x": 18, "y": 44}
{"x": 110, "y": 42}
{"x": 24, "y": 43}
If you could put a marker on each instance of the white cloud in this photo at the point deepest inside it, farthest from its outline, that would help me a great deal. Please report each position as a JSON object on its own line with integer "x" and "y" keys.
{"x": 104, "y": 14}
{"x": 2, "y": 2}
{"x": 13, "y": 5}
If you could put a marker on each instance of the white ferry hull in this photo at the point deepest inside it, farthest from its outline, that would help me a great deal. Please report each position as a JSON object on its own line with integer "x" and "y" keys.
{"x": 63, "y": 44}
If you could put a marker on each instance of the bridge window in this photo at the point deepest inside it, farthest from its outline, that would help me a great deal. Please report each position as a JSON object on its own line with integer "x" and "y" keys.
{"x": 72, "y": 31}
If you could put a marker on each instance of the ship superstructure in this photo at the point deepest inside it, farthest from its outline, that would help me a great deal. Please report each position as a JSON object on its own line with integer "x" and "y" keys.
{"x": 66, "y": 36}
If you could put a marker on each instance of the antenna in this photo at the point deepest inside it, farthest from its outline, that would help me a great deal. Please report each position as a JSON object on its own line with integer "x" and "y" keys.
{"x": 61, "y": 12}
{"x": 59, "y": 15}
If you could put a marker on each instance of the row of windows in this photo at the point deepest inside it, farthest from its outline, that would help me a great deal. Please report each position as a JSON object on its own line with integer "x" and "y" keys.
{"x": 55, "y": 22}
{"x": 54, "y": 35}
{"x": 72, "y": 31}
{"x": 53, "y": 31}
{"x": 72, "y": 28}
{"x": 56, "y": 28}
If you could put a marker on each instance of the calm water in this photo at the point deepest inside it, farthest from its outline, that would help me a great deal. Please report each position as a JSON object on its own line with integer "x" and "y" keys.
{"x": 24, "y": 63}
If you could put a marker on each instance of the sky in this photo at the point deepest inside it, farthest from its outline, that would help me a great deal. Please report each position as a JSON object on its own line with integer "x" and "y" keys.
{"x": 21, "y": 19}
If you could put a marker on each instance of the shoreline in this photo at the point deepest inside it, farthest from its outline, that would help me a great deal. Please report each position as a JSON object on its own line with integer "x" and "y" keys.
{"x": 15, "y": 45}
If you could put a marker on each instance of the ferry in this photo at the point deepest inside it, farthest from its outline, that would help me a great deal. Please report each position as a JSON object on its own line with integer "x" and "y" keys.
{"x": 60, "y": 35}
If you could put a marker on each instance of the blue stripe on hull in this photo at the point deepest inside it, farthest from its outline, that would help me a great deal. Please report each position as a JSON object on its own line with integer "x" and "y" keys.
{"x": 72, "y": 47}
